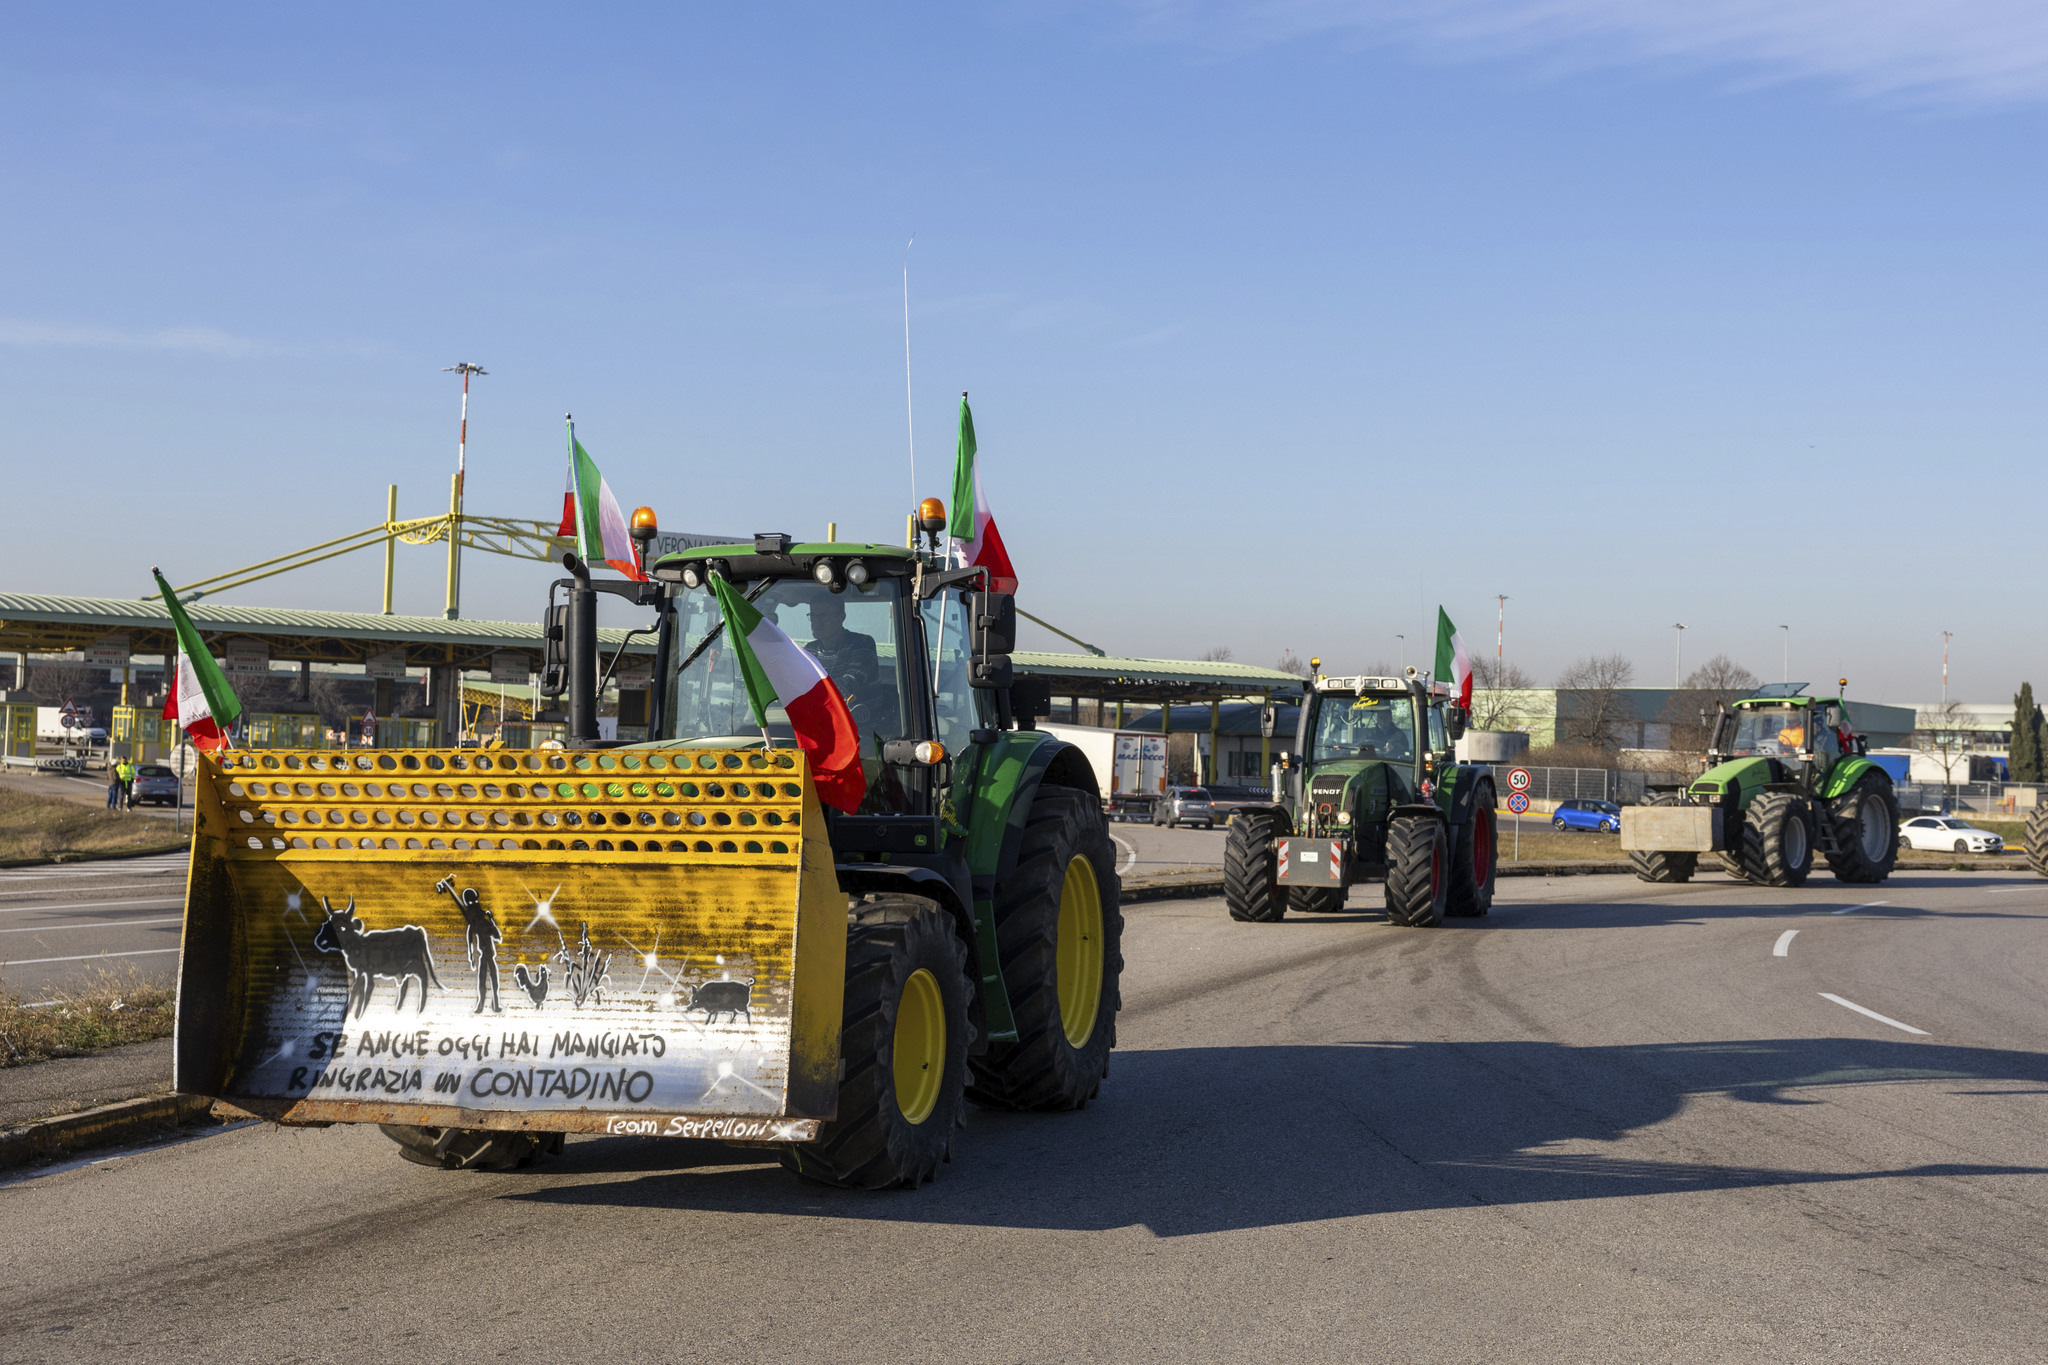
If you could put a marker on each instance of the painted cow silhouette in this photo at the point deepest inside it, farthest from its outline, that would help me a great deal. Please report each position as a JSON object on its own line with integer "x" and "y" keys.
{"x": 730, "y": 998}
{"x": 399, "y": 955}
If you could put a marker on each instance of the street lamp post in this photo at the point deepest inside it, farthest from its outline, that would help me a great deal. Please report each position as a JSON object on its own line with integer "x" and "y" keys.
{"x": 453, "y": 610}
{"x": 1785, "y": 668}
{"x": 1402, "y": 649}
{"x": 1678, "y": 654}
{"x": 1946, "y": 636}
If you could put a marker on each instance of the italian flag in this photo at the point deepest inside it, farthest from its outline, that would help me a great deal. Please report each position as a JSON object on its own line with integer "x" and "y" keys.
{"x": 779, "y": 671}
{"x": 972, "y": 528}
{"x": 1451, "y": 659}
{"x": 198, "y": 697}
{"x": 601, "y": 531}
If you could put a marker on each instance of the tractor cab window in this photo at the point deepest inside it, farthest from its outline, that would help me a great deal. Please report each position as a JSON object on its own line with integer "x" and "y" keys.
{"x": 1771, "y": 731}
{"x": 1439, "y": 740}
{"x": 957, "y": 708}
{"x": 854, "y": 634}
{"x": 1363, "y": 727}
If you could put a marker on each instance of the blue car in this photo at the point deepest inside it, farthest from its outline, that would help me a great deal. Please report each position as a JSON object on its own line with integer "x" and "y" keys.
{"x": 1603, "y": 816}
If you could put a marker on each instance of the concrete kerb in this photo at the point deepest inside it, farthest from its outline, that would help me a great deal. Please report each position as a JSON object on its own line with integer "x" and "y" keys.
{"x": 153, "y": 851}
{"x": 106, "y": 1126}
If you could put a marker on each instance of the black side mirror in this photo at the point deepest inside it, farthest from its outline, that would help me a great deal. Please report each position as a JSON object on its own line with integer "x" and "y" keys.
{"x": 1455, "y": 719}
{"x": 992, "y": 672}
{"x": 554, "y": 659}
{"x": 1030, "y": 699}
{"x": 992, "y": 618}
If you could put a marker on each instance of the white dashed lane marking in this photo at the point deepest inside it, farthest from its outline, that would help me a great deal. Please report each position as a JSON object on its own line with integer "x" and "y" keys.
{"x": 1784, "y": 944}
{"x": 1873, "y": 1014}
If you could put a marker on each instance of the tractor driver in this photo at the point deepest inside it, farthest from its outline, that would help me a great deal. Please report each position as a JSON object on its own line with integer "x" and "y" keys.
{"x": 849, "y": 656}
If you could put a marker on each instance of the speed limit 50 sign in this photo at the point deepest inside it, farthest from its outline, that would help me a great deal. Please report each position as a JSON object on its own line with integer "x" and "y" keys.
{"x": 1518, "y": 778}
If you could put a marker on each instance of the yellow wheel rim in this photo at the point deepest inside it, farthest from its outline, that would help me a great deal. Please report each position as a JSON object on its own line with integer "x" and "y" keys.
{"x": 1078, "y": 953}
{"x": 920, "y": 1054}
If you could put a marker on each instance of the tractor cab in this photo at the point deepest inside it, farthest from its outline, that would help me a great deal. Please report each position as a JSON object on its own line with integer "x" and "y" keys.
{"x": 1367, "y": 745}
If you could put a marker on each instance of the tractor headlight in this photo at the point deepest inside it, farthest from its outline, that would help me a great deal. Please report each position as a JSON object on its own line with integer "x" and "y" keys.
{"x": 1343, "y": 817}
{"x": 693, "y": 577}
{"x": 822, "y": 571}
{"x": 857, "y": 573}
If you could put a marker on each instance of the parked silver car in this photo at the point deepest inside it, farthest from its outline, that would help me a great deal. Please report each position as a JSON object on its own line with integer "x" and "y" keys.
{"x": 155, "y": 785}
{"x": 1185, "y": 806}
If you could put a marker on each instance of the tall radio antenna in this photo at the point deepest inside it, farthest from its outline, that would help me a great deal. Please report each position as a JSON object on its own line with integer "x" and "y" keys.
{"x": 909, "y": 409}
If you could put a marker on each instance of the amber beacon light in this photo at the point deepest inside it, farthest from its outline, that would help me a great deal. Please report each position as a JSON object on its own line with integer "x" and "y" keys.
{"x": 931, "y": 516}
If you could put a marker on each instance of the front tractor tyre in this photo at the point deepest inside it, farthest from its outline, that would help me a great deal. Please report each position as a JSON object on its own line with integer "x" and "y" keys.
{"x": 1475, "y": 859}
{"x": 1315, "y": 900}
{"x": 1777, "y": 840}
{"x": 2037, "y": 840}
{"x": 472, "y": 1149}
{"x": 1059, "y": 936}
{"x": 1418, "y": 870}
{"x": 1251, "y": 875}
{"x": 903, "y": 1049}
{"x": 1663, "y": 867}
{"x": 1866, "y": 827}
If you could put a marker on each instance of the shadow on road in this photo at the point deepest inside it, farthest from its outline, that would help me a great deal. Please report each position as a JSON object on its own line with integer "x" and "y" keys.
{"x": 1209, "y": 1139}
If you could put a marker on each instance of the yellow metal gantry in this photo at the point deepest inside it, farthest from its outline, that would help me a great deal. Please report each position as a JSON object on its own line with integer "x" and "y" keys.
{"x": 496, "y": 535}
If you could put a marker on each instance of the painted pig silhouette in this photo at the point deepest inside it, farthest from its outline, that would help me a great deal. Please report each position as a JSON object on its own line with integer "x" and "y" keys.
{"x": 730, "y": 998}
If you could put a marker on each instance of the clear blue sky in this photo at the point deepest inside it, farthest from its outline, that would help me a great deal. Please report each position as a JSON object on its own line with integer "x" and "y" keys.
{"x": 1283, "y": 322}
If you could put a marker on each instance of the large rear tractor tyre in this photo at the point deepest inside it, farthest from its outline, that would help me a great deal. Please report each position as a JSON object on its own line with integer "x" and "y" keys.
{"x": 2037, "y": 840}
{"x": 1059, "y": 934}
{"x": 1731, "y": 863}
{"x": 1777, "y": 840}
{"x": 1418, "y": 870}
{"x": 1475, "y": 859}
{"x": 1251, "y": 876}
{"x": 1315, "y": 900}
{"x": 903, "y": 1050}
{"x": 1663, "y": 867}
{"x": 472, "y": 1149}
{"x": 1866, "y": 825}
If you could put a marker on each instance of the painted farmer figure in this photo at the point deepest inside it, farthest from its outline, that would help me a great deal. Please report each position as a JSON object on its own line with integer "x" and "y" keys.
{"x": 481, "y": 937}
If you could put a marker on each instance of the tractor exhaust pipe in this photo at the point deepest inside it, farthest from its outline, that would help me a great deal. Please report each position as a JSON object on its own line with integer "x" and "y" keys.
{"x": 581, "y": 648}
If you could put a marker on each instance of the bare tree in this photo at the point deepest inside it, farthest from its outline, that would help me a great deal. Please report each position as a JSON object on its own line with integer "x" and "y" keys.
{"x": 1494, "y": 685}
{"x": 1216, "y": 654}
{"x": 1596, "y": 708}
{"x": 1290, "y": 662}
{"x": 1694, "y": 707}
{"x": 1942, "y": 731}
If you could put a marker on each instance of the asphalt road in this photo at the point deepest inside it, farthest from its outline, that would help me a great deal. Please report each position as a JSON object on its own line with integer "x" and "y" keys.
{"x": 1609, "y": 1123}
{"x": 59, "y": 923}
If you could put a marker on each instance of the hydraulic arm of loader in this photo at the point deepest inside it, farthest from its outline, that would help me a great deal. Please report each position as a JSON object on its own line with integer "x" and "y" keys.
{"x": 616, "y": 941}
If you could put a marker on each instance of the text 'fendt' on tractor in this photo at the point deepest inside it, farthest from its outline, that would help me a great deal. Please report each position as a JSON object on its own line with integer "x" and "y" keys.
{"x": 1784, "y": 778}
{"x": 1372, "y": 791}
{"x": 483, "y": 950}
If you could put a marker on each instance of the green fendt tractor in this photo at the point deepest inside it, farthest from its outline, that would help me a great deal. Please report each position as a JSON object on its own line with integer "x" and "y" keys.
{"x": 1372, "y": 792}
{"x": 484, "y": 950}
{"x": 1784, "y": 779}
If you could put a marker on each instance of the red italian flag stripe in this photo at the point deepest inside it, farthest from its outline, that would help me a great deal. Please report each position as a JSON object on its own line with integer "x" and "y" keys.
{"x": 779, "y": 671}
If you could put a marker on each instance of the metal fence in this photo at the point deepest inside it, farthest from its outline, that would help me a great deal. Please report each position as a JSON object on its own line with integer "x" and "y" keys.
{"x": 1993, "y": 800}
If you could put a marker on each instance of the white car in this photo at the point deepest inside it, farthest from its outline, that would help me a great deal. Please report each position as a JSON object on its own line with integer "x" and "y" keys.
{"x": 1946, "y": 834}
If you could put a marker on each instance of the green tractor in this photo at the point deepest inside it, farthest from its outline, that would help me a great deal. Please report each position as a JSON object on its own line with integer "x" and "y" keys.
{"x": 1784, "y": 779}
{"x": 1373, "y": 792}
{"x": 833, "y": 984}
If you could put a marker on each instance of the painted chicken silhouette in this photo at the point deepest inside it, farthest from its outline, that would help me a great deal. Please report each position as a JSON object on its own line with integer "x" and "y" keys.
{"x": 535, "y": 985}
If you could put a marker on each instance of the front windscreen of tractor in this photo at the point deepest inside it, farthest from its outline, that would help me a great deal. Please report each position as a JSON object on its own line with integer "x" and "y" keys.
{"x": 1772, "y": 731}
{"x": 1363, "y": 727}
{"x": 854, "y": 634}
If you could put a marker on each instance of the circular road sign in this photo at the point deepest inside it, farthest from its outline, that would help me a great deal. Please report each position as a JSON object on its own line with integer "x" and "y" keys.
{"x": 1519, "y": 803}
{"x": 1518, "y": 778}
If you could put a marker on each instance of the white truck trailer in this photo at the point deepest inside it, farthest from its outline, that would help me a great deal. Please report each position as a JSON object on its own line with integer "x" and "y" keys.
{"x": 1135, "y": 762}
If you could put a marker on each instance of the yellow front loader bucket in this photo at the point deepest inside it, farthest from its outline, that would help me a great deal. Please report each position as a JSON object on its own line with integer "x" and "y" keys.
{"x": 624, "y": 941}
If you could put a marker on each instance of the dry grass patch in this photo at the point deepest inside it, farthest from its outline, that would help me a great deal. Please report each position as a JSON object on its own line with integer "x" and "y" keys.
{"x": 113, "y": 1007}
{"x": 33, "y": 826}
